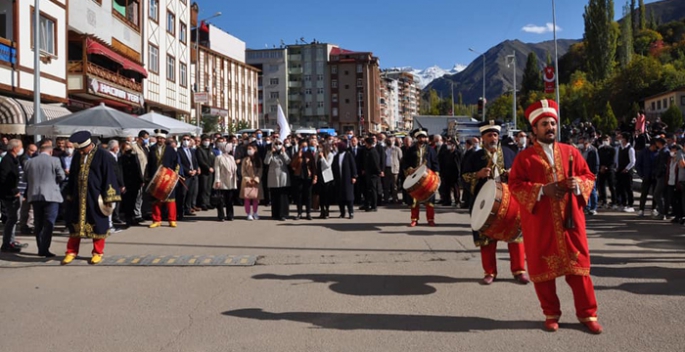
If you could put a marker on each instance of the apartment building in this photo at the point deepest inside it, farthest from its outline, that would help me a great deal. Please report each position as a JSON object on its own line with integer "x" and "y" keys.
{"x": 389, "y": 104}
{"x": 105, "y": 54}
{"x": 355, "y": 91}
{"x": 272, "y": 83}
{"x": 166, "y": 53}
{"x": 231, "y": 83}
{"x": 17, "y": 57}
{"x": 409, "y": 96}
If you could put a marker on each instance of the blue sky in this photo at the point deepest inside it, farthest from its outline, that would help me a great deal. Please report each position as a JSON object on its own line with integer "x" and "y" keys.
{"x": 401, "y": 32}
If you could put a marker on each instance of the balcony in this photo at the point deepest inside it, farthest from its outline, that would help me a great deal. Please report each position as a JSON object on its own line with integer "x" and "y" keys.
{"x": 293, "y": 97}
{"x": 101, "y": 72}
{"x": 295, "y": 71}
{"x": 295, "y": 84}
{"x": 295, "y": 57}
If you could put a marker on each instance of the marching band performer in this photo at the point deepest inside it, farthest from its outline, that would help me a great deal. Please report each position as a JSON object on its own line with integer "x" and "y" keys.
{"x": 493, "y": 162}
{"x": 541, "y": 183}
{"x": 418, "y": 154}
{"x": 160, "y": 155}
{"x": 92, "y": 189}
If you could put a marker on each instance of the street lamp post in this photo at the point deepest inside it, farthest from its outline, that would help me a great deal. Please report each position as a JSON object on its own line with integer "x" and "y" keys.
{"x": 36, "y": 65}
{"x": 511, "y": 60}
{"x": 484, "y": 99}
{"x": 198, "y": 106}
{"x": 556, "y": 62}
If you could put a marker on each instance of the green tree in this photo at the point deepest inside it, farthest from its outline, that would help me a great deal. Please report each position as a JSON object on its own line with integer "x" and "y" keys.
{"x": 532, "y": 76}
{"x": 609, "y": 122}
{"x": 626, "y": 49}
{"x": 210, "y": 123}
{"x": 235, "y": 126}
{"x": 634, "y": 16}
{"x": 644, "y": 39}
{"x": 502, "y": 108}
{"x": 433, "y": 103}
{"x": 601, "y": 36}
{"x": 642, "y": 15}
{"x": 673, "y": 117}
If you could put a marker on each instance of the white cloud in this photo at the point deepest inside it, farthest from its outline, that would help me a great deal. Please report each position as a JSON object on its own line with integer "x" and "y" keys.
{"x": 531, "y": 28}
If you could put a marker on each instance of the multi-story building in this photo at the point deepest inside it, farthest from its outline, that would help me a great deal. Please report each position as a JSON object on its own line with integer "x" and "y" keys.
{"x": 409, "y": 96}
{"x": 355, "y": 91}
{"x": 17, "y": 57}
{"x": 307, "y": 82}
{"x": 105, "y": 54}
{"x": 272, "y": 83}
{"x": 166, "y": 53}
{"x": 389, "y": 103}
{"x": 231, "y": 83}
{"x": 656, "y": 105}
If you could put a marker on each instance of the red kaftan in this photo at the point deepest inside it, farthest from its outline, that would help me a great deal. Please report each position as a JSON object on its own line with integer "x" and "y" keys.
{"x": 551, "y": 250}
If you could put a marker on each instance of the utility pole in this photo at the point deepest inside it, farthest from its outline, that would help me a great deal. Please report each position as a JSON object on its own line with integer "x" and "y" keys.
{"x": 513, "y": 63}
{"x": 37, "y": 118}
{"x": 484, "y": 99}
{"x": 556, "y": 63}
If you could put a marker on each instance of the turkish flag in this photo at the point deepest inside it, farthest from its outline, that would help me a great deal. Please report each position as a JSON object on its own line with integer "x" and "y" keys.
{"x": 550, "y": 79}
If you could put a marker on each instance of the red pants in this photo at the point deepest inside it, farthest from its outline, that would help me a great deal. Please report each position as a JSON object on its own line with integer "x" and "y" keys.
{"x": 416, "y": 211}
{"x": 517, "y": 258}
{"x": 75, "y": 242}
{"x": 583, "y": 296}
{"x": 157, "y": 211}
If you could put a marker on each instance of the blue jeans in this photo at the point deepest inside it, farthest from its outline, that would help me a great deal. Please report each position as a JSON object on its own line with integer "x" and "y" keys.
{"x": 45, "y": 215}
{"x": 592, "y": 202}
{"x": 11, "y": 207}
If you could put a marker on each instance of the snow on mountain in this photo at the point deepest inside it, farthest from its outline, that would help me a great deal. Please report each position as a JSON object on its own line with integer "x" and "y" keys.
{"x": 426, "y": 76}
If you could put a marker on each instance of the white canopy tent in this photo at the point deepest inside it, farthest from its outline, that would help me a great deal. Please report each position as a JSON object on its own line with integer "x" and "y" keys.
{"x": 172, "y": 125}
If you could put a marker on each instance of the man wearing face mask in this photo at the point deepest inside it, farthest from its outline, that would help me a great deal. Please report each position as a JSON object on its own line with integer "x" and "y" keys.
{"x": 205, "y": 160}
{"x": 625, "y": 159}
{"x": 10, "y": 194}
{"x": 607, "y": 168}
{"x": 520, "y": 142}
{"x": 141, "y": 149}
{"x": 190, "y": 169}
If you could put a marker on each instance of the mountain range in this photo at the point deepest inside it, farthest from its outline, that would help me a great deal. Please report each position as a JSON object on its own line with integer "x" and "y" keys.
{"x": 498, "y": 77}
{"x": 426, "y": 76}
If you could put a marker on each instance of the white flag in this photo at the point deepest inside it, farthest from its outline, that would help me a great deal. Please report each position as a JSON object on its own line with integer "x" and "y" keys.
{"x": 283, "y": 126}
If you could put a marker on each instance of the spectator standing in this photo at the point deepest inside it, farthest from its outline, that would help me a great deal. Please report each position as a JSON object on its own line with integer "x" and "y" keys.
{"x": 225, "y": 180}
{"x": 625, "y": 159}
{"x": 607, "y": 168}
{"x": 188, "y": 161}
{"x": 324, "y": 185}
{"x": 205, "y": 160}
{"x": 278, "y": 181}
{"x": 132, "y": 175}
{"x": 663, "y": 162}
{"x": 591, "y": 156}
{"x": 250, "y": 186}
{"x": 646, "y": 168}
{"x": 11, "y": 173}
{"x": 304, "y": 177}
{"x": 393, "y": 159}
{"x": 141, "y": 149}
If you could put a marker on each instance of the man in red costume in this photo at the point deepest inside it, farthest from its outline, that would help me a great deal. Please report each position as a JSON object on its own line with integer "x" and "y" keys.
{"x": 540, "y": 182}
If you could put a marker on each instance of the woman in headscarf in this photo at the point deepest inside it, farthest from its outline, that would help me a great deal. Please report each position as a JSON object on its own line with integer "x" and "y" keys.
{"x": 251, "y": 186}
{"x": 225, "y": 180}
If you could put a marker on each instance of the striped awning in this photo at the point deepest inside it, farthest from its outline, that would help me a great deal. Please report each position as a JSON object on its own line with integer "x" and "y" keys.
{"x": 15, "y": 114}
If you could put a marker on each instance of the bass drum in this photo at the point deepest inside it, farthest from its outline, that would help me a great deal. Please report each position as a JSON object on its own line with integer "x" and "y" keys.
{"x": 422, "y": 184}
{"x": 496, "y": 214}
{"x": 162, "y": 184}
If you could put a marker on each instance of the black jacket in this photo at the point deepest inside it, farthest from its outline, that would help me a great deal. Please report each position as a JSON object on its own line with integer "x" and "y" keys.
{"x": 187, "y": 164}
{"x": 130, "y": 169}
{"x": 372, "y": 164}
{"x": 663, "y": 161}
{"x": 205, "y": 159}
{"x": 9, "y": 176}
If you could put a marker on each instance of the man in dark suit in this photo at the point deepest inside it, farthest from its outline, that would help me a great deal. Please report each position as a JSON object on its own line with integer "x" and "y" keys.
{"x": 379, "y": 145}
{"x": 357, "y": 152}
{"x": 188, "y": 159}
{"x": 205, "y": 160}
{"x": 10, "y": 194}
{"x": 372, "y": 173}
{"x": 345, "y": 176}
{"x": 43, "y": 175}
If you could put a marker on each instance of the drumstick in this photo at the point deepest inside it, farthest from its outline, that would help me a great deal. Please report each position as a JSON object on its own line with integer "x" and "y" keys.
{"x": 570, "y": 223}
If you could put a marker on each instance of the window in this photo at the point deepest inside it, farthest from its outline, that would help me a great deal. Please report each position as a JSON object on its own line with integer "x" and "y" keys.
{"x": 183, "y": 74}
{"x": 182, "y": 32}
{"x": 153, "y": 58}
{"x": 653, "y": 106}
{"x": 347, "y": 101}
{"x": 154, "y": 10}
{"x": 334, "y": 69}
{"x": 319, "y": 104}
{"x": 273, "y": 108}
{"x": 658, "y": 105}
{"x": 334, "y": 83}
{"x": 308, "y": 91}
{"x": 48, "y": 34}
{"x": 359, "y": 82}
{"x": 307, "y": 105}
{"x": 347, "y": 72}
{"x": 347, "y": 86}
{"x": 319, "y": 91}
{"x": 273, "y": 81}
{"x": 319, "y": 66}
{"x": 171, "y": 68}
{"x": 273, "y": 68}
{"x": 335, "y": 111}
{"x": 360, "y": 68}
{"x": 170, "y": 23}
{"x": 665, "y": 103}
{"x": 319, "y": 54}
{"x": 334, "y": 97}
{"x": 273, "y": 95}
{"x": 307, "y": 78}
{"x": 127, "y": 9}
{"x": 307, "y": 67}
{"x": 319, "y": 77}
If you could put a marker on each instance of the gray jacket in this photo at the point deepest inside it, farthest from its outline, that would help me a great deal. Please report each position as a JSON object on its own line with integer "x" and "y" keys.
{"x": 43, "y": 174}
{"x": 279, "y": 176}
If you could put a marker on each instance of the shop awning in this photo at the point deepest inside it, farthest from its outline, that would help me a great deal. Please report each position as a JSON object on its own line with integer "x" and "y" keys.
{"x": 16, "y": 113}
{"x": 93, "y": 47}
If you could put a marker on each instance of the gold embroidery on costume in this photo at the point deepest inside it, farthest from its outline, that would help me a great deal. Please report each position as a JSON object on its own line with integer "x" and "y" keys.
{"x": 112, "y": 195}
{"x": 82, "y": 228}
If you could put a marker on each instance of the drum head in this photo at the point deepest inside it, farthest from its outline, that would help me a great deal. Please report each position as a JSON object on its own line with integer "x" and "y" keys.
{"x": 483, "y": 205}
{"x": 414, "y": 178}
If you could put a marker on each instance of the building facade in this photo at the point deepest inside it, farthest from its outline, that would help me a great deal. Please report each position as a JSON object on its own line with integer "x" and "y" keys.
{"x": 272, "y": 83}
{"x": 389, "y": 104}
{"x": 105, "y": 54}
{"x": 355, "y": 91}
{"x": 166, "y": 54}
{"x": 17, "y": 58}
{"x": 231, "y": 83}
{"x": 656, "y": 105}
{"x": 409, "y": 97}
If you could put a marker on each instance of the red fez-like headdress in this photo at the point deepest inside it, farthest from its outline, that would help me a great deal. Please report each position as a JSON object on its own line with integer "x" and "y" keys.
{"x": 542, "y": 108}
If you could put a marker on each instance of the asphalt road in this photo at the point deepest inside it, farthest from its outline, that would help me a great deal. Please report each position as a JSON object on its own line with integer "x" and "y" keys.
{"x": 368, "y": 284}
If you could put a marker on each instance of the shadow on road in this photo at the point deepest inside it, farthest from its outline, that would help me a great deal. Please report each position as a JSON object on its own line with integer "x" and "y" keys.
{"x": 442, "y": 229}
{"x": 671, "y": 281}
{"x": 25, "y": 258}
{"x": 372, "y": 285}
{"x": 396, "y": 322}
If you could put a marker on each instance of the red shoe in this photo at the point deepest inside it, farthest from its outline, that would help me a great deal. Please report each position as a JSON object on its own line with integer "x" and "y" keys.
{"x": 413, "y": 223}
{"x": 488, "y": 279}
{"x": 431, "y": 223}
{"x": 552, "y": 324}
{"x": 522, "y": 278}
{"x": 593, "y": 326}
